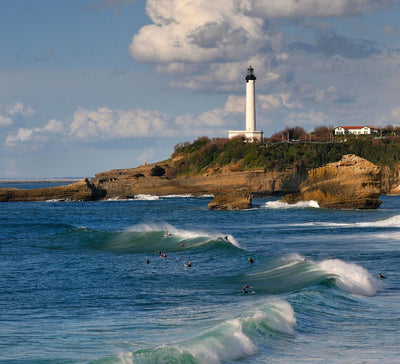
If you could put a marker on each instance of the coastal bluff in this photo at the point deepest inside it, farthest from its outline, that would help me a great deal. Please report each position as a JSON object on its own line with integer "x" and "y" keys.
{"x": 351, "y": 183}
{"x": 127, "y": 183}
{"x": 79, "y": 191}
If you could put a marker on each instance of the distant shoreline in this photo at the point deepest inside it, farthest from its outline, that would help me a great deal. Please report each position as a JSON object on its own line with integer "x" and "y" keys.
{"x": 40, "y": 180}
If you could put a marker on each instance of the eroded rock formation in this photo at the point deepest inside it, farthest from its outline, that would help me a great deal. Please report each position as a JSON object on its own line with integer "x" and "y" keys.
{"x": 127, "y": 183}
{"x": 236, "y": 200}
{"x": 351, "y": 183}
{"x": 79, "y": 191}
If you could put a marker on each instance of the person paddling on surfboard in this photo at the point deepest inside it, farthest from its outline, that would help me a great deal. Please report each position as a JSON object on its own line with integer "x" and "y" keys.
{"x": 381, "y": 276}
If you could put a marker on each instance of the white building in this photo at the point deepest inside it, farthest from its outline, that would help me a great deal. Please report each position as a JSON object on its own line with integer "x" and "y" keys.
{"x": 250, "y": 134}
{"x": 356, "y": 130}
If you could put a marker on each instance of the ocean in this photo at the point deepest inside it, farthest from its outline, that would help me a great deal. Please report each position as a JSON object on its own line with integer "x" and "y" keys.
{"x": 87, "y": 282}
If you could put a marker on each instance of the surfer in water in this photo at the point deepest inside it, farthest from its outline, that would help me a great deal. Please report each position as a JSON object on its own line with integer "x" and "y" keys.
{"x": 381, "y": 276}
{"x": 251, "y": 260}
{"x": 167, "y": 233}
{"x": 189, "y": 264}
{"x": 244, "y": 289}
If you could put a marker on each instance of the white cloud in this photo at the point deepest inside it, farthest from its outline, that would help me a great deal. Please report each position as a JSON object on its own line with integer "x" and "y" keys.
{"x": 105, "y": 123}
{"x": 197, "y": 31}
{"x": 22, "y": 135}
{"x": 36, "y": 136}
{"x": 235, "y": 104}
{"x": 4, "y": 120}
{"x": 278, "y": 101}
{"x": 311, "y": 8}
{"x": 18, "y": 108}
{"x": 13, "y": 111}
{"x": 53, "y": 126}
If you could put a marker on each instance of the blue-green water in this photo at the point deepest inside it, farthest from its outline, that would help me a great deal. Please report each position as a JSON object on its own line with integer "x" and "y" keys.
{"x": 76, "y": 286}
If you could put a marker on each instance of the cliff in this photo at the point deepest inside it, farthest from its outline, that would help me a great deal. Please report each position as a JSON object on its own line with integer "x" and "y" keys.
{"x": 351, "y": 183}
{"x": 78, "y": 191}
{"x": 127, "y": 183}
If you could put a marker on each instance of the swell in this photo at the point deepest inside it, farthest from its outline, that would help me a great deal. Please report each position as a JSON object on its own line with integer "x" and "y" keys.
{"x": 150, "y": 238}
{"x": 230, "y": 340}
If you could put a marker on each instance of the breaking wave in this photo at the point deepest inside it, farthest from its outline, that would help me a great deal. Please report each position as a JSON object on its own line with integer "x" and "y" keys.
{"x": 285, "y": 205}
{"x": 147, "y": 238}
{"x": 232, "y": 340}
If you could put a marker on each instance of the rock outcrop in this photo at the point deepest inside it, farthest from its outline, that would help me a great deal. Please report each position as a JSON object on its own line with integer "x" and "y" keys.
{"x": 78, "y": 191}
{"x": 236, "y": 200}
{"x": 127, "y": 183}
{"x": 351, "y": 183}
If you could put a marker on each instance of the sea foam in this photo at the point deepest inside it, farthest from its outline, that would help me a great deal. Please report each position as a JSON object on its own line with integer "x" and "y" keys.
{"x": 285, "y": 205}
{"x": 230, "y": 341}
{"x": 350, "y": 277}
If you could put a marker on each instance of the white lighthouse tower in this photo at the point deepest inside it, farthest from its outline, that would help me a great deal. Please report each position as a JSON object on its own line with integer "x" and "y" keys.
{"x": 251, "y": 134}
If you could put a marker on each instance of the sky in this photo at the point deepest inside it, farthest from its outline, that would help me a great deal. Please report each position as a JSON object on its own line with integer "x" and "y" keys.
{"x": 87, "y": 86}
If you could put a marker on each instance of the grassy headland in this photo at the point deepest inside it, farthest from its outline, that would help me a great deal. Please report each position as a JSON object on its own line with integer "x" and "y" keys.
{"x": 205, "y": 154}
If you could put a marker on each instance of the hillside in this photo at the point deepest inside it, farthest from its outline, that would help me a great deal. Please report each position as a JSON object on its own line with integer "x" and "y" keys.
{"x": 205, "y": 154}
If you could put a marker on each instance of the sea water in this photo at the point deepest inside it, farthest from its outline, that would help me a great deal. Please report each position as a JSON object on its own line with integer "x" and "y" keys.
{"x": 86, "y": 282}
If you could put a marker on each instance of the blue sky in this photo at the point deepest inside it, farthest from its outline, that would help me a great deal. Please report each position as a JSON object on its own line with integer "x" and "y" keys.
{"x": 92, "y": 85}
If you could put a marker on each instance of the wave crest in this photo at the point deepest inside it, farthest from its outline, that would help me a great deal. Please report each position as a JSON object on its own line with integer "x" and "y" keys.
{"x": 350, "y": 277}
{"x": 285, "y": 205}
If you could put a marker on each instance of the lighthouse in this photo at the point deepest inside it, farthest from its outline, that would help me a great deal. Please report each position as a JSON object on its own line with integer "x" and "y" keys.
{"x": 250, "y": 134}
{"x": 250, "y": 100}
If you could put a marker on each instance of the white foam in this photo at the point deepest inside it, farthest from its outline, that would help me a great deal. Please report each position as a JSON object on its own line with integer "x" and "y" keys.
{"x": 186, "y": 195}
{"x": 277, "y": 315}
{"x": 181, "y": 233}
{"x": 350, "y": 277}
{"x": 285, "y": 205}
{"x": 226, "y": 343}
{"x": 146, "y": 197}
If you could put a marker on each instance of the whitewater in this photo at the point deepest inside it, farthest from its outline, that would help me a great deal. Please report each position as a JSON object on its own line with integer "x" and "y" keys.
{"x": 109, "y": 282}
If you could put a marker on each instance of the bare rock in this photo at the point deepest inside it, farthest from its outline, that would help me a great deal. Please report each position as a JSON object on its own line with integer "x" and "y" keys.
{"x": 79, "y": 191}
{"x": 351, "y": 183}
{"x": 237, "y": 200}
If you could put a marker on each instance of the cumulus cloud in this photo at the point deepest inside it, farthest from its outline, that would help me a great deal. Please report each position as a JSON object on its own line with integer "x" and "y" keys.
{"x": 278, "y": 101}
{"x": 232, "y": 30}
{"x": 18, "y": 108}
{"x": 22, "y": 135}
{"x": 4, "y": 120}
{"x": 197, "y": 31}
{"x": 36, "y": 136}
{"x": 105, "y": 123}
{"x": 13, "y": 111}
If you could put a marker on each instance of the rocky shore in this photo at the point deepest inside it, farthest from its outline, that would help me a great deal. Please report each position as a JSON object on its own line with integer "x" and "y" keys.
{"x": 78, "y": 191}
{"x": 352, "y": 182}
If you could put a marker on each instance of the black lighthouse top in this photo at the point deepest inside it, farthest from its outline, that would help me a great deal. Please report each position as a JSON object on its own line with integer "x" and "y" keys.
{"x": 250, "y": 74}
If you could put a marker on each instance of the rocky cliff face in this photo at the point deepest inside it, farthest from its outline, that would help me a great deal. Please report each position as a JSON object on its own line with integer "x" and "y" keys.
{"x": 78, "y": 191}
{"x": 351, "y": 183}
{"x": 130, "y": 182}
